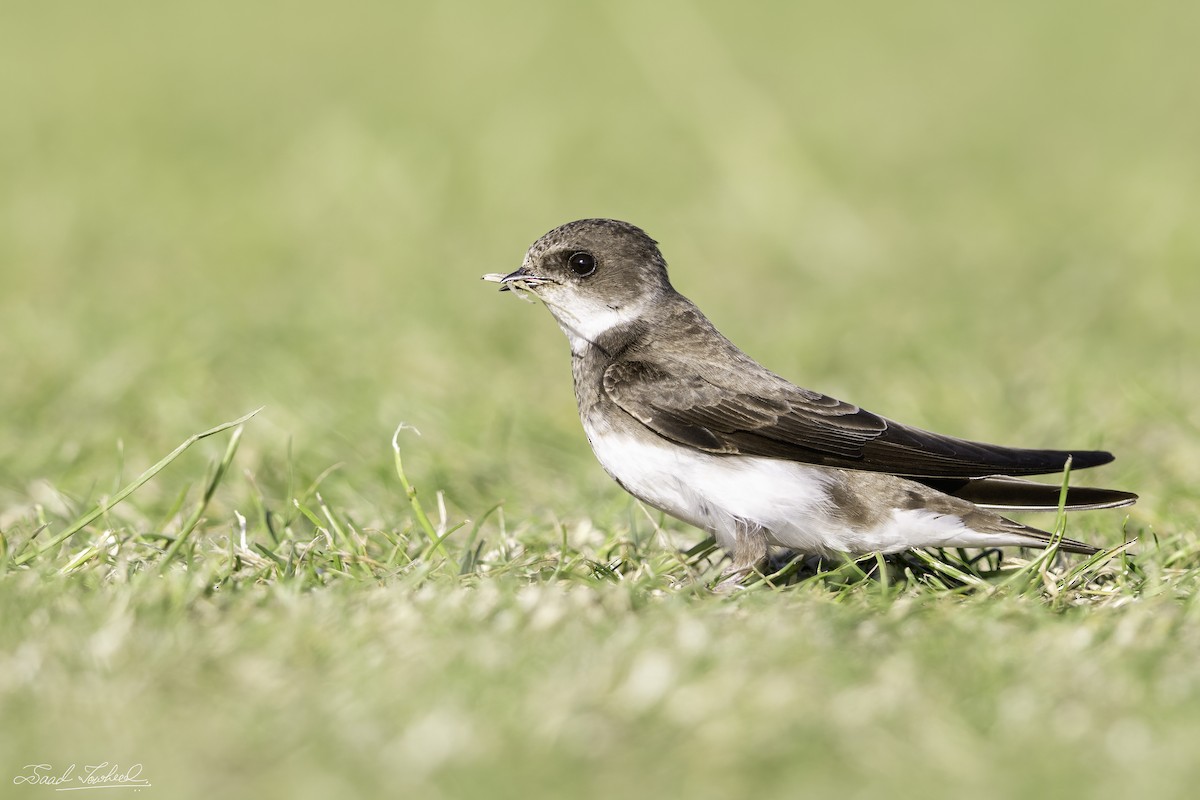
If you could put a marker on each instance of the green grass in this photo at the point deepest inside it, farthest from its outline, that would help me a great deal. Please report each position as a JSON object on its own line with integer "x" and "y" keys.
{"x": 976, "y": 220}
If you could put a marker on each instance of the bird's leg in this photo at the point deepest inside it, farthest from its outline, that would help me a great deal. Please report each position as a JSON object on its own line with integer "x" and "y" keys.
{"x": 749, "y": 552}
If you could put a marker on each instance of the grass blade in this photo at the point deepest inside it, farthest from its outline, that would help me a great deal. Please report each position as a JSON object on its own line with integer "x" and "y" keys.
{"x": 411, "y": 491}
{"x": 90, "y": 517}
{"x": 194, "y": 519}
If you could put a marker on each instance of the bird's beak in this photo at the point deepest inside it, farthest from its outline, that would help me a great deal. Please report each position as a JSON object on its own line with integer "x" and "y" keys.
{"x": 518, "y": 279}
{"x": 516, "y": 276}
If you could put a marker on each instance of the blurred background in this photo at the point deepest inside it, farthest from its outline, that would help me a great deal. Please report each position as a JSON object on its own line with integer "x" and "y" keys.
{"x": 979, "y": 218}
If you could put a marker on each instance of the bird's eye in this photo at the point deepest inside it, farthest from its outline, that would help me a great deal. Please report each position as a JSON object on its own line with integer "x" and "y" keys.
{"x": 582, "y": 264}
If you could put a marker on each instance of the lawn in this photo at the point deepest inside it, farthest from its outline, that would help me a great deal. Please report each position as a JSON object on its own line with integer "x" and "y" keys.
{"x": 980, "y": 221}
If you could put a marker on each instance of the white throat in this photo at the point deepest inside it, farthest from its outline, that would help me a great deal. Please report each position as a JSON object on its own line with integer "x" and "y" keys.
{"x": 586, "y": 321}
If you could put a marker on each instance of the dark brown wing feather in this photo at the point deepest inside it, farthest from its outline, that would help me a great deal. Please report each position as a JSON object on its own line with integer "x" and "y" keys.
{"x": 755, "y": 412}
{"x": 1019, "y": 494}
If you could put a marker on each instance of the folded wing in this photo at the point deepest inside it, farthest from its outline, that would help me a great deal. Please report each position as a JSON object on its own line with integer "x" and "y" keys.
{"x": 761, "y": 414}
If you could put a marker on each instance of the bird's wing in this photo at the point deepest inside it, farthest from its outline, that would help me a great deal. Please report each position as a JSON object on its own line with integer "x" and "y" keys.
{"x": 758, "y": 413}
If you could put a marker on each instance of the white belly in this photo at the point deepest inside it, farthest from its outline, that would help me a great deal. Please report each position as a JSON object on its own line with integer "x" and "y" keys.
{"x": 724, "y": 495}
{"x": 730, "y": 495}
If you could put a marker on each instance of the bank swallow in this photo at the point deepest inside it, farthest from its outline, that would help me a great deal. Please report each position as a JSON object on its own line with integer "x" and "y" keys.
{"x": 688, "y": 423}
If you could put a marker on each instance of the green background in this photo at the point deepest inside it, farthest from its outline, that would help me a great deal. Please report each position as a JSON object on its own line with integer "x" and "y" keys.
{"x": 976, "y": 218}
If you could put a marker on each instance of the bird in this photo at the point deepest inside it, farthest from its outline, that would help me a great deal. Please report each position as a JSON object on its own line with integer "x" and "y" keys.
{"x": 688, "y": 423}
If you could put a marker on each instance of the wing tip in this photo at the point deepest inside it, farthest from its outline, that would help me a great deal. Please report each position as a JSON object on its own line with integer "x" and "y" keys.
{"x": 1085, "y": 459}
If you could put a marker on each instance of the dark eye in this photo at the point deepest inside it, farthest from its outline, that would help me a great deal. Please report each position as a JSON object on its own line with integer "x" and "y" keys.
{"x": 582, "y": 264}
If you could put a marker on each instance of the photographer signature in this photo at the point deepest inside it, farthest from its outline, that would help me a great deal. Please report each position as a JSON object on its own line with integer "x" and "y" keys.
{"x": 92, "y": 776}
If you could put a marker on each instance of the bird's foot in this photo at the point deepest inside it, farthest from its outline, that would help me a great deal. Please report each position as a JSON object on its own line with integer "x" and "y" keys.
{"x": 735, "y": 578}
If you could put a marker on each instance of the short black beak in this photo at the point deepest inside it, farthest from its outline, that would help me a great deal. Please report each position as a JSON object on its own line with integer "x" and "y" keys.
{"x": 515, "y": 275}
{"x": 523, "y": 279}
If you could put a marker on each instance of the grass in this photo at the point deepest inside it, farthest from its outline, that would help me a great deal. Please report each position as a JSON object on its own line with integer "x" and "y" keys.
{"x": 979, "y": 221}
